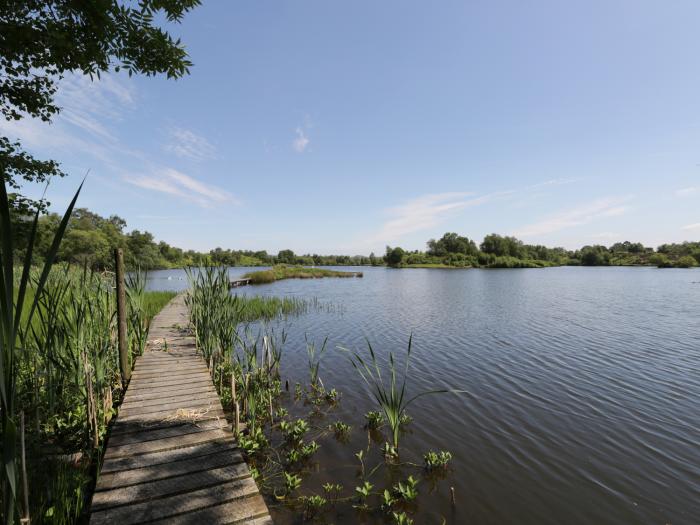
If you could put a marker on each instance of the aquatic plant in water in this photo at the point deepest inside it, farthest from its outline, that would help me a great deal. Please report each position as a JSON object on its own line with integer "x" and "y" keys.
{"x": 391, "y": 397}
{"x": 435, "y": 460}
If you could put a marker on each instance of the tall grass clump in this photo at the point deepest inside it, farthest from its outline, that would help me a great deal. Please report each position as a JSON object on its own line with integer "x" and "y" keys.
{"x": 314, "y": 360}
{"x": 59, "y": 374}
{"x": 244, "y": 364}
{"x": 13, "y": 328}
{"x": 390, "y": 396}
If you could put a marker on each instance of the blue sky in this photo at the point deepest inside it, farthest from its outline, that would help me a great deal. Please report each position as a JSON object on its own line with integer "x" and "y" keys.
{"x": 341, "y": 127}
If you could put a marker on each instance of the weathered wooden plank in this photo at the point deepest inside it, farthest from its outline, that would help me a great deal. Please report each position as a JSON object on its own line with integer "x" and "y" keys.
{"x": 165, "y": 444}
{"x": 169, "y": 486}
{"x": 168, "y": 388}
{"x": 171, "y": 370}
{"x": 220, "y": 446}
{"x": 161, "y": 433}
{"x": 167, "y": 403}
{"x": 246, "y": 511}
{"x": 130, "y": 427}
{"x": 175, "y": 411}
{"x": 169, "y": 470}
{"x": 156, "y": 392}
{"x": 171, "y": 456}
{"x": 174, "y": 505}
{"x": 147, "y": 385}
{"x": 176, "y": 396}
{"x": 151, "y": 357}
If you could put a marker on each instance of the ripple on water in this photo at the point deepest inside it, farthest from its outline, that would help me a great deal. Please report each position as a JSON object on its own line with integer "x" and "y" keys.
{"x": 581, "y": 399}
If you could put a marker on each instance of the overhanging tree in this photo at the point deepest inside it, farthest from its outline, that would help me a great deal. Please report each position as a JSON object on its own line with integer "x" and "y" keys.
{"x": 40, "y": 42}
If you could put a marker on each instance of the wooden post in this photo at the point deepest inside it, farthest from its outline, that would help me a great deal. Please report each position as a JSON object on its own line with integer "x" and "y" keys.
{"x": 124, "y": 367}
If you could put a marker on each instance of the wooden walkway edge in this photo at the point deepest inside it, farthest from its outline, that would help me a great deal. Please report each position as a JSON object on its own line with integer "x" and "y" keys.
{"x": 171, "y": 456}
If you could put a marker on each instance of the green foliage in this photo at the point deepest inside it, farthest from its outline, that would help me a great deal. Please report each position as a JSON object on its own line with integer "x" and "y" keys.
{"x": 406, "y": 490}
{"x": 391, "y": 453}
{"x": 279, "y": 272}
{"x": 294, "y": 432}
{"x": 451, "y": 243}
{"x": 342, "y": 430}
{"x": 686, "y": 262}
{"x": 314, "y": 359}
{"x": 15, "y": 325}
{"x": 332, "y": 490}
{"x": 391, "y": 397}
{"x": 388, "y": 499}
{"x": 42, "y": 40}
{"x": 364, "y": 491}
{"x": 66, "y": 486}
{"x": 302, "y": 452}
{"x": 253, "y": 443}
{"x": 435, "y": 460}
{"x": 286, "y": 257}
{"x": 401, "y": 518}
{"x": 374, "y": 419}
{"x": 502, "y": 246}
{"x": 394, "y": 256}
{"x": 595, "y": 256}
{"x": 332, "y": 396}
{"x": 291, "y": 482}
{"x": 312, "y": 505}
{"x": 497, "y": 251}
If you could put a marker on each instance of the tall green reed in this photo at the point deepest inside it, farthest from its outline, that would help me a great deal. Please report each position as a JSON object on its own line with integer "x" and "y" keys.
{"x": 314, "y": 359}
{"x": 12, "y": 335}
{"x": 391, "y": 397}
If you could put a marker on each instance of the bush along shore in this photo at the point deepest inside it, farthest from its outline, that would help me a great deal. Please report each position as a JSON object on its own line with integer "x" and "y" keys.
{"x": 283, "y": 271}
{"x": 91, "y": 239}
{"x": 497, "y": 251}
{"x": 281, "y": 427}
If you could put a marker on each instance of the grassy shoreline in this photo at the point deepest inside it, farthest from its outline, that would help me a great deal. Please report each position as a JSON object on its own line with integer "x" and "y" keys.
{"x": 278, "y": 273}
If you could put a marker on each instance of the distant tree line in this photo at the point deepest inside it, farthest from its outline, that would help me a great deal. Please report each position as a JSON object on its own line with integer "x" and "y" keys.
{"x": 498, "y": 251}
{"x": 90, "y": 240}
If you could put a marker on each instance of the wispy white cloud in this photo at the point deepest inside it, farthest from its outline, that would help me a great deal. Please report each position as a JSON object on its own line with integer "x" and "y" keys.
{"x": 691, "y": 227}
{"x": 686, "y": 192}
{"x": 301, "y": 141}
{"x": 89, "y": 109}
{"x": 90, "y": 105}
{"x": 173, "y": 182}
{"x": 187, "y": 144}
{"x": 425, "y": 212}
{"x": 584, "y": 214}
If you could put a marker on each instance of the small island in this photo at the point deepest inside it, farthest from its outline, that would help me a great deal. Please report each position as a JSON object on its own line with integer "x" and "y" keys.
{"x": 282, "y": 271}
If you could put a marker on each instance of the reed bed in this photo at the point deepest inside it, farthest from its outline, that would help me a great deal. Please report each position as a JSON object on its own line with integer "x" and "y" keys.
{"x": 282, "y": 271}
{"x": 280, "y": 431}
{"x": 67, "y": 380}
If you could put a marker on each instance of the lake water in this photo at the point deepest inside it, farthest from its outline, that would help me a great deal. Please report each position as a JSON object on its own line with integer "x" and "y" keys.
{"x": 581, "y": 398}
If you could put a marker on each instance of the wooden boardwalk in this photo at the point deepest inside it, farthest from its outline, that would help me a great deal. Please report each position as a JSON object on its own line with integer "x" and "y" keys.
{"x": 171, "y": 456}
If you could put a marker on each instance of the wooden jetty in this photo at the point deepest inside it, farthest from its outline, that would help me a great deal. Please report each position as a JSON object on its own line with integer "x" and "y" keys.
{"x": 171, "y": 456}
{"x": 234, "y": 283}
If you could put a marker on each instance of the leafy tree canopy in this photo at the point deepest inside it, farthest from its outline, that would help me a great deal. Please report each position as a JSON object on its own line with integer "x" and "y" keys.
{"x": 42, "y": 40}
{"x": 394, "y": 256}
{"x": 452, "y": 243}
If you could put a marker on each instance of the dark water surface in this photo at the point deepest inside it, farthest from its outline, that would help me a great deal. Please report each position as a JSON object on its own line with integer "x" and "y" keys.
{"x": 582, "y": 386}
